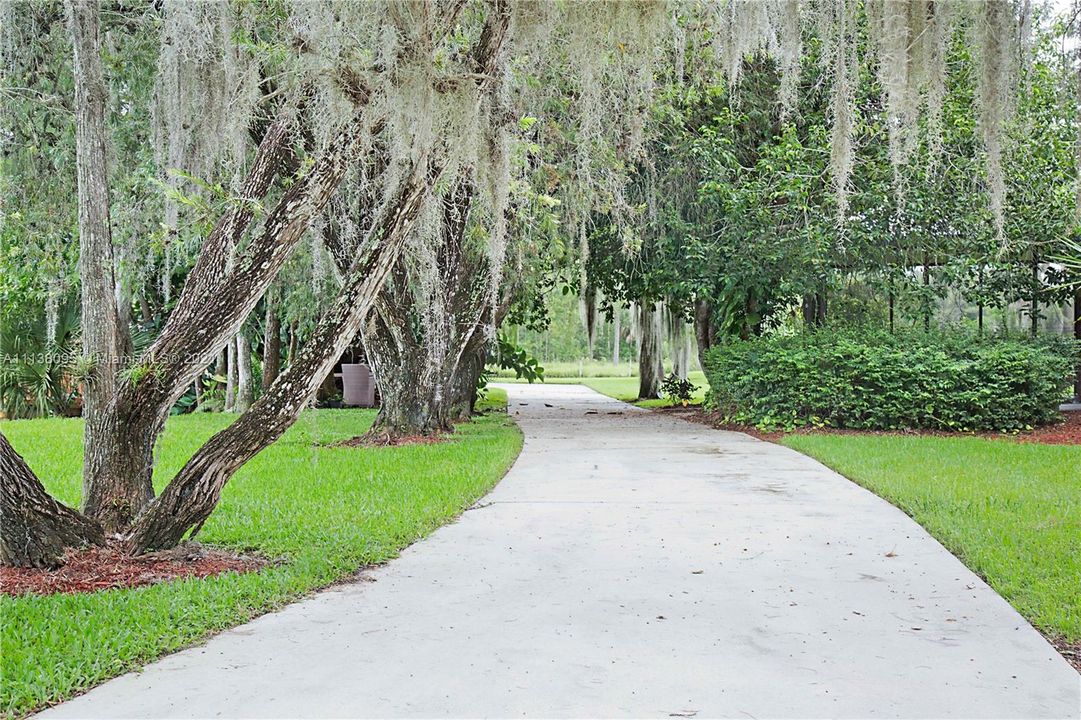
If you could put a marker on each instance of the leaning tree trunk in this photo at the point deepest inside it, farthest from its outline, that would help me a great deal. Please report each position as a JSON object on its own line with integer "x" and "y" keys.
{"x": 217, "y": 297}
{"x": 109, "y": 497}
{"x": 35, "y": 529}
{"x": 192, "y": 495}
{"x": 650, "y": 368}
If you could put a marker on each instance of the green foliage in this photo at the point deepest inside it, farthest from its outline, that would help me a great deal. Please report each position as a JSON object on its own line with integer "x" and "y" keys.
{"x": 37, "y": 377}
{"x": 509, "y": 356}
{"x": 874, "y": 380}
{"x": 322, "y": 511}
{"x": 677, "y": 389}
{"x": 1008, "y": 510}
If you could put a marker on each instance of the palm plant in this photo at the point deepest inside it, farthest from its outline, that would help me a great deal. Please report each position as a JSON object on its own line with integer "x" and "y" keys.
{"x": 36, "y": 374}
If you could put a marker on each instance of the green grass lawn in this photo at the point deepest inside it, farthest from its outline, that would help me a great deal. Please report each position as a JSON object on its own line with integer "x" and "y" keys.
{"x": 624, "y": 388}
{"x": 324, "y": 511}
{"x": 1010, "y": 511}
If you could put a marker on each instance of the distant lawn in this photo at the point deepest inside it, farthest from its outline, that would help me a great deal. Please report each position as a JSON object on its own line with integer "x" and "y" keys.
{"x": 1010, "y": 511}
{"x": 624, "y": 388}
{"x": 325, "y": 511}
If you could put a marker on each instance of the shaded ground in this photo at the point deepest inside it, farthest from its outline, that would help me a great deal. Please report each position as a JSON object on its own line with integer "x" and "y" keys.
{"x": 109, "y": 567}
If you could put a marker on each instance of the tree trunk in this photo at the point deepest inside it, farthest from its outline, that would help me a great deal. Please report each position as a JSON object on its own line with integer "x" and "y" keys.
{"x": 243, "y": 373}
{"x": 1034, "y": 302}
{"x": 677, "y": 344}
{"x": 194, "y": 492}
{"x": 291, "y": 348}
{"x": 120, "y": 435}
{"x": 650, "y": 368}
{"x": 110, "y": 498}
{"x": 230, "y": 376}
{"x": 427, "y": 380}
{"x": 615, "y": 335}
{"x": 272, "y": 343}
{"x": 1077, "y": 335}
{"x": 221, "y": 370}
{"x": 703, "y": 329}
{"x": 35, "y": 529}
{"x": 589, "y": 317}
{"x": 409, "y": 401}
{"x": 814, "y": 309}
{"x": 192, "y": 495}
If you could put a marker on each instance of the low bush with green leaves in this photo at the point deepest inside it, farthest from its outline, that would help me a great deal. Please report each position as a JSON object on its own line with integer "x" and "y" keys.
{"x": 677, "y": 389}
{"x": 874, "y": 380}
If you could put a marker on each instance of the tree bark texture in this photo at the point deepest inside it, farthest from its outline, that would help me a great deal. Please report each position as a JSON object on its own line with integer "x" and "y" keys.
{"x": 427, "y": 379}
{"x": 705, "y": 332}
{"x": 272, "y": 342}
{"x": 192, "y": 495}
{"x": 109, "y": 497}
{"x": 35, "y": 529}
{"x": 650, "y": 358}
{"x": 1077, "y": 336}
{"x": 230, "y": 376}
{"x": 616, "y": 339}
{"x": 421, "y": 393}
{"x": 217, "y": 310}
{"x": 218, "y": 296}
{"x": 243, "y": 373}
{"x": 677, "y": 344}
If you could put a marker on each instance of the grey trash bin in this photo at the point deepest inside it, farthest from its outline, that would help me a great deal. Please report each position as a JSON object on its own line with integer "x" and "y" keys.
{"x": 358, "y": 385}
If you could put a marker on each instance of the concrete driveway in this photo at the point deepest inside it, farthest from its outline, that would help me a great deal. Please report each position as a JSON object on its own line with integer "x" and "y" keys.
{"x": 634, "y": 565}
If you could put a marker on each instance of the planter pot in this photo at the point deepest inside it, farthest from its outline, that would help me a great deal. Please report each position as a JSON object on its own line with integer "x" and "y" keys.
{"x": 358, "y": 385}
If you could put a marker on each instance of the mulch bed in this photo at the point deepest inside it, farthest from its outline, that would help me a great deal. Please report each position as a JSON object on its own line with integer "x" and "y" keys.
{"x": 1069, "y": 650}
{"x": 104, "y": 568}
{"x": 1067, "y": 432}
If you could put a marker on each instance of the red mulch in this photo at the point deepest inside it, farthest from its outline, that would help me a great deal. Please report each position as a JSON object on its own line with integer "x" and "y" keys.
{"x": 1067, "y": 432}
{"x": 102, "y": 568}
{"x": 1069, "y": 650}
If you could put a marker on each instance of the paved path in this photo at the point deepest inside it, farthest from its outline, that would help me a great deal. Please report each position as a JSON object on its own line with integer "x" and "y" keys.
{"x": 634, "y": 565}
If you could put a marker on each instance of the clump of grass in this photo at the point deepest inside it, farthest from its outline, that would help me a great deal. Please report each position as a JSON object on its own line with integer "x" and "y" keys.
{"x": 324, "y": 511}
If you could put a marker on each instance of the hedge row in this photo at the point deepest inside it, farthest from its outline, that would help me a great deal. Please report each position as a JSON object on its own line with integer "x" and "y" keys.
{"x": 874, "y": 380}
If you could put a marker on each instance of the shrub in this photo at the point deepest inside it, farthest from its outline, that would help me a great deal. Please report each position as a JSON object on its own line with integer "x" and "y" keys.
{"x": 873, "y": 380}
{"x": 677, "y": 389}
